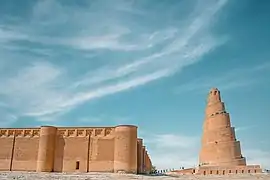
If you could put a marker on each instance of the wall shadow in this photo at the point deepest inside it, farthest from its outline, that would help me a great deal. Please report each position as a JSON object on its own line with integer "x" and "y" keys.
{"x": 59, "y": 154}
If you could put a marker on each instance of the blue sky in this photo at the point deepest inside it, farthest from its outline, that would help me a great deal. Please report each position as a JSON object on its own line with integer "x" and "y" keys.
{"x": 149, "y": 63}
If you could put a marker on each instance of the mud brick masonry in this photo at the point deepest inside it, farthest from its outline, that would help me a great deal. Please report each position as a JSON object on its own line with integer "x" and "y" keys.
{"x": 220, "y": 150}
{"x": 70, "y": 149}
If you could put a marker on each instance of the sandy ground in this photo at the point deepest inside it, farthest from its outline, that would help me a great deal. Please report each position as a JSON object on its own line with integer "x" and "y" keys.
{"x": 110, "y": 176}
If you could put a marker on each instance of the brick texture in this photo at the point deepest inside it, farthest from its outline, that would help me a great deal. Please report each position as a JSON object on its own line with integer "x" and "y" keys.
{"x": 219, "y": 144}
{"x": 220, "y": 150}
{"x": 6, "y": 153}
{"x": 25, "y": 158}
{"x": 71, "y": 149}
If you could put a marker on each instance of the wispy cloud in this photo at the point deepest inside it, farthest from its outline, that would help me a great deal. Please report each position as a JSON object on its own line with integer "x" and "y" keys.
{"x": 244, "y": 128}
{"x": 110, "y": 33}
{"x": 44, "y": 88}
{"x": 115, "y": 120}
{"x": 7, "y": 118}
{"x": 236, "y": 78}
{"x": 169, "y": 151}
{"x": 258, "y": 156}
{"x": 31, "y": 88}
{"x": 9, "y": 35}
{"x": 172, "y": 150}
{"x": 116, "y": 40}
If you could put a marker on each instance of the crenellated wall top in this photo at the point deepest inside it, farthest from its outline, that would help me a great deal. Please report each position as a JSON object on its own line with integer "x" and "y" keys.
{"x": 29, "y": 132}
{"x": 86, "y": 132}
{"x": 64, "y": 131}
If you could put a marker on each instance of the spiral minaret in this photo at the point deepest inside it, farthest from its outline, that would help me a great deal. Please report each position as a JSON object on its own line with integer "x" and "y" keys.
{"x": 219, "y": 146}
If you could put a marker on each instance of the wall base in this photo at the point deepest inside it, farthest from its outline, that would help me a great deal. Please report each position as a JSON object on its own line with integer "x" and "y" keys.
{"x": 220, "y": 170}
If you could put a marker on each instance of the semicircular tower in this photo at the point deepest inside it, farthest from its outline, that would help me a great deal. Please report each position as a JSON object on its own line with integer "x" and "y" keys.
{"x": 46, "y": 149}
{"x": 125, "y": 149}
{"x": 219, "y": 146}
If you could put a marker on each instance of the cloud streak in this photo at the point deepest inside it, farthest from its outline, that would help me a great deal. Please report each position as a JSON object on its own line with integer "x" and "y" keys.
{"x": 244, "y": 128}
{"x": 170, "y": 151}
{"x": 43, "y": 88}
{"x": 258, "y": 156}
{"x": 230, "y": 80}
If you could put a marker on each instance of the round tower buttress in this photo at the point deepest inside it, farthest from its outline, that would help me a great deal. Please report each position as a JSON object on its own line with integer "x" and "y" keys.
{"x": 45, "y": 161}
{"x": 125, "y": 149}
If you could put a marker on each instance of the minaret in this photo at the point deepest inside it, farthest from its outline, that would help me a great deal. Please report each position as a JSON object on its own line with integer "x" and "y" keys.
{"x": 219, "y": 145}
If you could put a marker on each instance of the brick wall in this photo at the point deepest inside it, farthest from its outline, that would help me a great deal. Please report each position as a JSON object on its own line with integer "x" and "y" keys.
{"x": 6, "y": 153}
{"x": 102, "y": 156}
{"x": 25, "y": 154}
{"x": 230, "y": 170}
{"x": 108, "y": 149}
{"x": 74, "y": 152}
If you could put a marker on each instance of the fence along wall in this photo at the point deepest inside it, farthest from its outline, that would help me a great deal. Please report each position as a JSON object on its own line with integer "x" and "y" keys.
{"x": 52, "y": 149}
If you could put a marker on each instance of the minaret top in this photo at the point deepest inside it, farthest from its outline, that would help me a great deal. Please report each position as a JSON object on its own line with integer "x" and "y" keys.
{"x": 213, "y": 89}
{"x": 213, "y": 96}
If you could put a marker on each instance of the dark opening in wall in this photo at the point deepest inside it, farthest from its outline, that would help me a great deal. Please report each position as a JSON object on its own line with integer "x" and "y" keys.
{"x": 210, "y": 172}
{"x": 248, "y": 171}
{"x": 242, "y": 171}
{"x": 223, "y": 172}
{"x": 77, "y": 165}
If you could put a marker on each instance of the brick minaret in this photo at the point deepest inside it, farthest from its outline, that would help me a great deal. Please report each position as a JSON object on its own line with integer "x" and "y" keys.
{"x": 219, "y": 144}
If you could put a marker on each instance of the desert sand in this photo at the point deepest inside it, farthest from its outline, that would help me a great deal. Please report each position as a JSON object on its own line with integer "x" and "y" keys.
{"x": 111, "y": 176}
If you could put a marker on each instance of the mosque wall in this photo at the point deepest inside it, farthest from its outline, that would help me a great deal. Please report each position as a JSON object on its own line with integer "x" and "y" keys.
{"x": 70, "y": 149}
